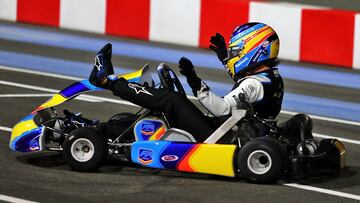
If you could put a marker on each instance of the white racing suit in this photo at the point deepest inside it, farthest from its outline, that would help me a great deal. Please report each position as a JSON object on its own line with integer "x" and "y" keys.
{"x": 263, "y": 90}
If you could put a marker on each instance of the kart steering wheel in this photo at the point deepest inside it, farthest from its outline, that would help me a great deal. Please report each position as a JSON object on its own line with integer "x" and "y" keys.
{"x": 169, "y": 79}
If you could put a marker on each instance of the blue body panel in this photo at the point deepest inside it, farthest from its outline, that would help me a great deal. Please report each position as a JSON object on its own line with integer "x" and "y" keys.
{"x": 147, "y": 127}
{"x": 29, "y": 141}
{"x": 148, "y": 153}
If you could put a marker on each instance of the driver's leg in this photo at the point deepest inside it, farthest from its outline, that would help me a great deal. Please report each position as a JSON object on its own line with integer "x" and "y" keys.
{"x": 182, "y": 112}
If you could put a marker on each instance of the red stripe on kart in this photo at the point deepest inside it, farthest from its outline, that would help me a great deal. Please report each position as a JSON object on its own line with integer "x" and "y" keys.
{"x": 184, "y": 164}
{"x": 159, "y": 133}
{"x": 37, "y": 109}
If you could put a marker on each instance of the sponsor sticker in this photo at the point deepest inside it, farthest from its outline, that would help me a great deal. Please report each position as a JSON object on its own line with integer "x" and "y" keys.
{"x": 251, "y": 88}
{"x": 139, "y": 89}
{"x": 169, "y": 158}
{"x": 145, "y": 156}
{"x": 265, "y": 44}
{"x": 34, "y": 145}
{"x": 241, "y": 62}
{"x": 98, "y": 62}
{"x": 147, "y": 129}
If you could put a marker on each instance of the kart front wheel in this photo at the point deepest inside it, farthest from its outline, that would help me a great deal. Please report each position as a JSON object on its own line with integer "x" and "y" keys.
{"x": 261, "y": 160}
{"x": 84, "y": 149}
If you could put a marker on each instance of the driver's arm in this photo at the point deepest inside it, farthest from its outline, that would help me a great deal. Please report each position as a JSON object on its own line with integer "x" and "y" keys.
{"x": 252, "y": 88}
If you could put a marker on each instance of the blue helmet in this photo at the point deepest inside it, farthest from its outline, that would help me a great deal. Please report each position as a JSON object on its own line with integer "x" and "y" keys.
{"x": 250, "y": 45}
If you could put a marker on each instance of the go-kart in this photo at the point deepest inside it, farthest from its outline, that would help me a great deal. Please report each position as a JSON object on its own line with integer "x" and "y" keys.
{"x": 146, "y": 138}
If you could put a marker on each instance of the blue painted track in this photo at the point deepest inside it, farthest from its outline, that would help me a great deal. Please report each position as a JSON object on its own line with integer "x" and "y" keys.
{"x": 151, "y": 52}
{"x": 293, "y": 102}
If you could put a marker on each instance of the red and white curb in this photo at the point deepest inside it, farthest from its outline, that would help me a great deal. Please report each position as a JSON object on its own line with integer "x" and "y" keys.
{"x": 307, "y": 33}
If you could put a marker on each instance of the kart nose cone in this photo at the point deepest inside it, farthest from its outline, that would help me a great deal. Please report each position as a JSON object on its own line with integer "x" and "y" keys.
{"x": 25, "y": 136}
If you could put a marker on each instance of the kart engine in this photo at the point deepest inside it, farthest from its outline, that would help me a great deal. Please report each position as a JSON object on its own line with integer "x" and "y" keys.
{"x": 311, "y": 146}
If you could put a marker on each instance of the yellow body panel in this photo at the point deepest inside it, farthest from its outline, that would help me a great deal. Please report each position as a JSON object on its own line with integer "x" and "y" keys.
{"x": 215, "y": 159}
{"x": 58, "y": 99}
{"x": 133, "y": 75}
{"x": 22, "y": 127}
{"x": 53, "y": 101}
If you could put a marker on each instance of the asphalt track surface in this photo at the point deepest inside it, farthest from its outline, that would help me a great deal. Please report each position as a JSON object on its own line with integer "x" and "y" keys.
{"x": 44, "y": 177}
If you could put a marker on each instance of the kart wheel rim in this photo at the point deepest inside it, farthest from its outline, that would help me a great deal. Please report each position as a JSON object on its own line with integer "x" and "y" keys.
{"x": 259, "y": 162}
{"x": 82, "y": 150}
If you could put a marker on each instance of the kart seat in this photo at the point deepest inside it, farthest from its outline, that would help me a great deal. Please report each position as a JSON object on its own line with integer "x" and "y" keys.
{"x": 294, "y": 124}
{"x": 146, "y": 78}
{"x": 177, "y": 135}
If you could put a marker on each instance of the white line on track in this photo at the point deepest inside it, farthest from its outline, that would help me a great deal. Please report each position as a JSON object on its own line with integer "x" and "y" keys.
{"x": 81, "y": 97}
{"x": 339, "y": 138}
{"x": 335, "y": 120}
{"x": 24, "y": 95}
{"x": 7, "y": 198}
{"x": 44, "y": 89}
{"x": 347, "y": 122}
{"x": 326, "y": 191}
{"x": 25, "y": 86}
{"x": 5, "y": 129}
{"x": 34, "y": 72}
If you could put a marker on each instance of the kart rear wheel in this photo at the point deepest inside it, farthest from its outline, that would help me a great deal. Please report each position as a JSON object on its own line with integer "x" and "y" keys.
{"x": 261, "y": 160}
{"x": 84, "y": 149}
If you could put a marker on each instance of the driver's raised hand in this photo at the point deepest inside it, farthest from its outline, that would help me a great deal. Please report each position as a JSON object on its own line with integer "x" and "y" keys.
{"x": 187, "y": 69}
{"x": 218, "y": 45}
{"x": 102, "y": 68}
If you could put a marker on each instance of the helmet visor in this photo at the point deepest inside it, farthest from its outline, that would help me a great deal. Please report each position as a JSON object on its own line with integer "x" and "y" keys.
{"x": 233, "y": 52}
{"x": 236, "y": 50}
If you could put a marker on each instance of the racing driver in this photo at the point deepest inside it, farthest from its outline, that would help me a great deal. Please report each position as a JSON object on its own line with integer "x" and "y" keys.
{"x": 250, "y": 60}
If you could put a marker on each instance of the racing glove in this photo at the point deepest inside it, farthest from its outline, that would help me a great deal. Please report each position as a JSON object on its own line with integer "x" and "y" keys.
{"x": 187, "y": 69}
{"x": 102, "y": 68}
{"x": 219, "y": 47}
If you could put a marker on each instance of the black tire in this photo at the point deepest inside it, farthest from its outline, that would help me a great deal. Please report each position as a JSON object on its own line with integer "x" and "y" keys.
{"x": 262, "y": 160}
{"x": 84, "y": 149}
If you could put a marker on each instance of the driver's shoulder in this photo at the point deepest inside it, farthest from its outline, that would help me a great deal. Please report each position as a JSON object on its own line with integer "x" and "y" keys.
{"x": 258, "y": 78}
{"x": 253, "y": 80}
